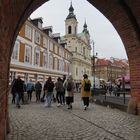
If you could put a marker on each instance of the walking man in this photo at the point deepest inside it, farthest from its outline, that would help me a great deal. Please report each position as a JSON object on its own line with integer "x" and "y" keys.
{"x": 18, "y": 88}
{"x": 38, "y": 89}
{"x": 48, "y": 88}
{"x": 30, "y": 88}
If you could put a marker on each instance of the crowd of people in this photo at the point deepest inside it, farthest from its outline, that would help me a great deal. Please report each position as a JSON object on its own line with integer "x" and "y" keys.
{"x": 64, "y": 87}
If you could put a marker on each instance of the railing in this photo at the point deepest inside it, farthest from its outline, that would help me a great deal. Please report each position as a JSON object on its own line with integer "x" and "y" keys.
{"x": 119, "y": 97}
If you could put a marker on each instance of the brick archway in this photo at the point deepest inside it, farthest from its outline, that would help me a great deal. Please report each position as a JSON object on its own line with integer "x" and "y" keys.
{"x": 123, "y": 14}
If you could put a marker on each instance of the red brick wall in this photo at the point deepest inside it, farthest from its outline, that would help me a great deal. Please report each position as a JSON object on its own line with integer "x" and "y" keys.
{"x": 124, "y": 16}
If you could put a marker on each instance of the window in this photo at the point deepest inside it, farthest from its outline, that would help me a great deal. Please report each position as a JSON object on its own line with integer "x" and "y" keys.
{"x": 37, "y": 56}
{"x": 76, "y": 71}
{"x": 37, "y": 37}
{"x": 69, "y": 29}
{"x": 51, "y": 61}
{"x": 55, "y": 49}
{"x": 60, "y": 65}
{"x": 27, "y": 57}
{"x": 51, "y": 46}
{"x": 45, "y": 59}
{"x": 61, "y": 52}
{"x": 55, "y": 63}
{"x": 44, "y": 42}
{"x": 63, "y": 65}
{"x": 15, "y": 54}
{"x": 28, "y": 32}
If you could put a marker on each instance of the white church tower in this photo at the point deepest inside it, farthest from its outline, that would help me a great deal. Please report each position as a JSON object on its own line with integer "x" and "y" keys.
{"x": 71, "y": 22}
{"x": 79, "y": 45}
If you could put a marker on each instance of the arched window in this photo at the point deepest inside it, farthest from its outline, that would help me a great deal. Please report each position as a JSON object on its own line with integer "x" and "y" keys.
{"x": 69, "y": 29}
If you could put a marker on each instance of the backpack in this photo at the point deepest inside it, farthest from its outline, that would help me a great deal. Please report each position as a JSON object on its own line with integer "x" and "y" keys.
{"x": 87, "y": 86}
{"x": 69, "y": 86}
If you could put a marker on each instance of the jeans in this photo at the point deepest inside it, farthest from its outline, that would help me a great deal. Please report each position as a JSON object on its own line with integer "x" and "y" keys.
{"x": 29, "y": 92}
{"x": 63, "y": 97}
{"x": 58, "y": 97}
{"x": 48, "y": 99}
{"x": 17, "y": 99}
{"x": 38, "y": 93}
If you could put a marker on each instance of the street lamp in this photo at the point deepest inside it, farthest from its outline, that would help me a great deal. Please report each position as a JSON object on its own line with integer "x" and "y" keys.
{"x": 94, "y": 56}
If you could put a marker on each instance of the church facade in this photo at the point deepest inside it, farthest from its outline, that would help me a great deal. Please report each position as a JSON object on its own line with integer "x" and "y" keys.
{"x": 79, "y": 45}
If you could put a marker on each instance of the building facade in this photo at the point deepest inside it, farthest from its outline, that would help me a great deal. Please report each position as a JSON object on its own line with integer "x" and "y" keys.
{"x": 79, "y": 45}
{"x": 38, "y": 54}
{"x": 111, "y": 69}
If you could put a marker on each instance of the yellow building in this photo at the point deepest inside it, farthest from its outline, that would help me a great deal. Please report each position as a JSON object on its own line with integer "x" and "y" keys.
{"x": 38, "y": 53}
{"x": 79, "y": 45}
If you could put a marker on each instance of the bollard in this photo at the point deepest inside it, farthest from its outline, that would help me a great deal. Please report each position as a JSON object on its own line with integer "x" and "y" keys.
{"x": 124, "y": 97}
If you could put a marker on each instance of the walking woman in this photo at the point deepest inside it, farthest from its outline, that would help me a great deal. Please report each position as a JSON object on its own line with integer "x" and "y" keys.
{"x": 69, "y": 86}
{"x": 86, "y": 91}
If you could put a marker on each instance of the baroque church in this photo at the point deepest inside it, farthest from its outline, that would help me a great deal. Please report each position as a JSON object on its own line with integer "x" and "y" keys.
{"x": 79, "y": 45}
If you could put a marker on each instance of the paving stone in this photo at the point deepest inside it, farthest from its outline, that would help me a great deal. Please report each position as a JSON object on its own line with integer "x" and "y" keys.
{"x": 35, "y": 122}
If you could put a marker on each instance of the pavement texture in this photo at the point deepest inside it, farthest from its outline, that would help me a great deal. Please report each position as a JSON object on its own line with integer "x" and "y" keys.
{"x": 34, "y": 121}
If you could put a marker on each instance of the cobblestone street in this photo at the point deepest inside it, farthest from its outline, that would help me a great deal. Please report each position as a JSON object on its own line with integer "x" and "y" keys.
{"x": 36, "y": 122}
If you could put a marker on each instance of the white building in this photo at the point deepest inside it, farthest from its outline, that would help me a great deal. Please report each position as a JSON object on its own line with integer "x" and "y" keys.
{"x": 79, "y": 45}
{"x": 38, "y": 54}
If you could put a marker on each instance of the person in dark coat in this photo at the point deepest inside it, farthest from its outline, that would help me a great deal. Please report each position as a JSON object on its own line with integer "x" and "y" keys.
{"x": 13, "y": 91}
{"x": 48, "y": 89}
{"x": 63, "y": 93}
{"x": 38, "y": 89}
{"x": 18, "y": 89}
{"x": 59, "y": 89}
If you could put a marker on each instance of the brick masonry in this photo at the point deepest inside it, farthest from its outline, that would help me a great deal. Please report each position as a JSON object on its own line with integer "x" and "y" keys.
{"x": 124, "y": 15}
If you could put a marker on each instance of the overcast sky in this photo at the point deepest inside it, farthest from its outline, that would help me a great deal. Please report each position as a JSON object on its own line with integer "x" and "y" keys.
{"x": 107, "y": 41}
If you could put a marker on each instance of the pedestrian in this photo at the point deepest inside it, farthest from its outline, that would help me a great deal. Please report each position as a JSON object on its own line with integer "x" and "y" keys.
{"x": 48, "y": 88}
{"x": 13, "y": 92}
{"x": 18, "y": 88}
{"x": 59, "y": 90}
{"x": 115, "y": 88}
{"x": 23, "y": 91}
{"x": 63, "y": 93}
{"x": 86, "y": 91}
{"x": 69, "y": 86}
{"x": 30, "y": 88}
{"x": 38, "y": 89}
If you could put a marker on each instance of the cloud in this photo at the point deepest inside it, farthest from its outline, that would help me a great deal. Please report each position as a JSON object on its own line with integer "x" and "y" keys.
{"x": 106, "y": 38}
